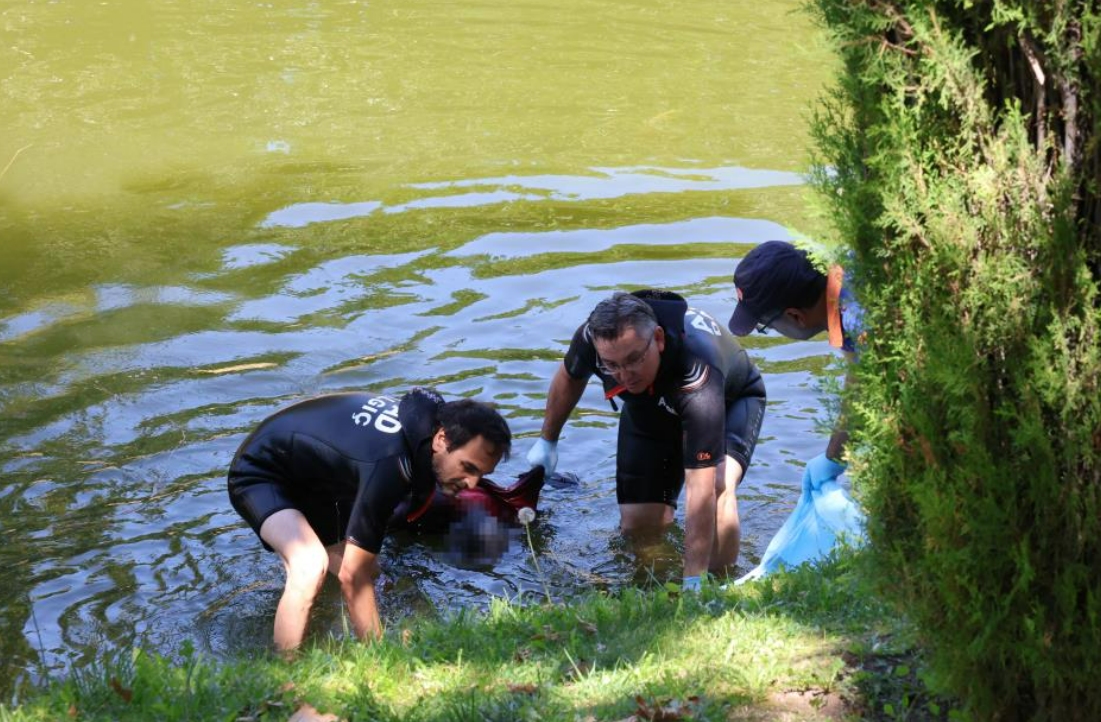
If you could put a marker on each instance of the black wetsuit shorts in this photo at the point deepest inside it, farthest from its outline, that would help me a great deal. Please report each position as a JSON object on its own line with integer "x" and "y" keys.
{"x": 650, "y": 464}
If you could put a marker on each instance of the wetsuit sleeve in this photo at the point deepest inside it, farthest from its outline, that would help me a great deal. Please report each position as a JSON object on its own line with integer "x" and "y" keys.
{"x": 702, "y": 408}
{"x": 743, "y": 419}
{"x": 381, "y": 489}
{"x": 580, "y": 360}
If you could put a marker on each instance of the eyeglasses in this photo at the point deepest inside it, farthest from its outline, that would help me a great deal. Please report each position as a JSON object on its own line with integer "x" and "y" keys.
{"x": 630, "y": 364}
{"x": 762, "y": 327}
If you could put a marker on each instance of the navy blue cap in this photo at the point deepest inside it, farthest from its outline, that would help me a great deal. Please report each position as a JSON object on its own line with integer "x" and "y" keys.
{"x": 773, "y": 276}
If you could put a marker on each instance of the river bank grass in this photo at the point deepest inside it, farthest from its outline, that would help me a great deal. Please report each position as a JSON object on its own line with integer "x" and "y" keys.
{"x": 812, "y": 644}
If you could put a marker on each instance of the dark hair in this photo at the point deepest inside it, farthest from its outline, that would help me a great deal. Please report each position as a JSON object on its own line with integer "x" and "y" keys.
{"x": 465, "y": 419}
{"x": 812, "y": 291}
{"x": 614, "y": 315}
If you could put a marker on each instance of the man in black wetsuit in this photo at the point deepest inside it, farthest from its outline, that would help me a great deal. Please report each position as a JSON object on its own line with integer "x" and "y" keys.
{"x": 693, "y": 403}
{"x": 319, "y": 480}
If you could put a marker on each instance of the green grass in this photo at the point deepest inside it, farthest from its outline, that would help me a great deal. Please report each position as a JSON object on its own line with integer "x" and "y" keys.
{"x": 812, "y": 644}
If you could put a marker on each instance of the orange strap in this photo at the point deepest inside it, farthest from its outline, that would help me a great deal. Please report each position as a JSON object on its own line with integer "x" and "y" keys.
{"x": 612, "y": 393}
{"x": 834, "y": 281}
{"x": 419, "y": 512}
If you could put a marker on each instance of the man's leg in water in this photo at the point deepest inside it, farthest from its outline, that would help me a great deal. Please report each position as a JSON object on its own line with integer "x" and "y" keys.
{"x": 648, "y": 473}
{"x": 728, "y": 529}
{"x": 305, "y": 561}
{"x": 643, "y": 525}
{"x": 644, "y": 519}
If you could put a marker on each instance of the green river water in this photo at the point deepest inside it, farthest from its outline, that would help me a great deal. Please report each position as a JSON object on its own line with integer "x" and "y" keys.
{"x": 209, "y": 210}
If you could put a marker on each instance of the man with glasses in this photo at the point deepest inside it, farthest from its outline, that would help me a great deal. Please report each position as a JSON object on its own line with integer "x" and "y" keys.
{"x": 693, "y": 403}
{"x": 779, "y": 288}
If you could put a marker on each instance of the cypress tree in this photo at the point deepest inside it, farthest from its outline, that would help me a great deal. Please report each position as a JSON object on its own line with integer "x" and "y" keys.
{"x": 959, "y": 162}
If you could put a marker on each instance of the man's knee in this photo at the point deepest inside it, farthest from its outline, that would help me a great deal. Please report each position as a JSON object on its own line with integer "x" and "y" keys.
{"x": 644, "y": 517}
{"x": 304, "y": 557}
{"x": 306, "y": 568}
{"x": 729, "y": 476}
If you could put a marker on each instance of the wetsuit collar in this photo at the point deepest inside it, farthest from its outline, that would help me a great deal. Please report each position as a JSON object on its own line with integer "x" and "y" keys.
{"x": 669, "y": 308}
{"x": 418, "y": 413}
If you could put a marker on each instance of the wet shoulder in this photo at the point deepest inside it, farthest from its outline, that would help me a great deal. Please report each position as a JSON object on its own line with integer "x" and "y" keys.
{"x": 710, "y": 349}
{"x": 360, "y": 426}
{"x": 580, "y": 359}
{"x": 704, "y": 340}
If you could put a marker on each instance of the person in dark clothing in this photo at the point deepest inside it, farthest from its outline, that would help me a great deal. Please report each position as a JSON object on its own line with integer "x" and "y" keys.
{"x": 693, "y": 403}
{"x": 319, "y": 480}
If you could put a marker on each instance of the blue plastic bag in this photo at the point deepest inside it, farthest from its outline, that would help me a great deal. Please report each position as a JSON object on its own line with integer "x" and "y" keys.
{"x": 824, "y": 512}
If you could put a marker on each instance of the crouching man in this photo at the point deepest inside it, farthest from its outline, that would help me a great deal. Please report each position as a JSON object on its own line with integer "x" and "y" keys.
{"x": 693, "y": 403}
{"x": 319, "y": 480}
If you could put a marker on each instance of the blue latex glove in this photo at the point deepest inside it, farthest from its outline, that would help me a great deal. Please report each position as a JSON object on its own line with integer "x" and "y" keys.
{"x": 545, "y": 454}
{"x": 823, "y": 512}
{"x": 819, "y": 470}
{"x": 690, "y": 584}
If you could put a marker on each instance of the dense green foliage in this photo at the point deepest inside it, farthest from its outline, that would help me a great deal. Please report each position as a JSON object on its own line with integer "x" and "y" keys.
{"x": 963, "y": 157}
{"x": 797, "y": 646}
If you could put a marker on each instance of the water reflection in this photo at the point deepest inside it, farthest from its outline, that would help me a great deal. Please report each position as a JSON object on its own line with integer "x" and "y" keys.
{"x": 601, "y": 184}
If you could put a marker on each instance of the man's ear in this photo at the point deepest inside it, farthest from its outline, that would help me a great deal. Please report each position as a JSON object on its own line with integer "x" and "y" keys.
{"x": 659, "y": 338}
{"x": 439, "y": 441}
{"x": 796, "y": 316}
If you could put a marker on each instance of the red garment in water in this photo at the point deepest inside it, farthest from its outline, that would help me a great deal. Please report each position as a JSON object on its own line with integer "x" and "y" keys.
{"x": 502, "y": 502}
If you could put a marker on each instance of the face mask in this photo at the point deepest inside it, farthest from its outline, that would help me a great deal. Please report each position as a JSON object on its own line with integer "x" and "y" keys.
{"x": 786, "y": 326}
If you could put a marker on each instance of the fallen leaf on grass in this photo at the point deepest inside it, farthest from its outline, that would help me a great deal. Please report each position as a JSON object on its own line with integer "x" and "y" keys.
{"x": 121, "y": 691}
{"x": 307, "y": 713}
{"x": 586, "y": 627}
{"x": 579, "y": 670}
{"x": 523, "y": 688}
{"x": 547, "y": 634}
{"x": 522, "y": 654}
{"x": 255, "y": 712}
{"x": 72, "y": 711}
{"x": 665, "y": 710}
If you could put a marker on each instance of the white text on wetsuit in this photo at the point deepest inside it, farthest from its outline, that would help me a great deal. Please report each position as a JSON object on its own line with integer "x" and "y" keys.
{"x": 703, "y": 321}
{"x": 386, "y": 419}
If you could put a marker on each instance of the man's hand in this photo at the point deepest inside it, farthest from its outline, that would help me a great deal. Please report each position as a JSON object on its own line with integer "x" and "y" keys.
{"x": 358, "y": 571}
{"x": 545, "y": 454}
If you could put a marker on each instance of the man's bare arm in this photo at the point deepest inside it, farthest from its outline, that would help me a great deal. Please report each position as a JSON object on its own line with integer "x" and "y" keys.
{"x": 358, "y": 572}
{"x": 565, "y": 391}
{"x": 699, "y": 520}
{"x": 835, "y": 449}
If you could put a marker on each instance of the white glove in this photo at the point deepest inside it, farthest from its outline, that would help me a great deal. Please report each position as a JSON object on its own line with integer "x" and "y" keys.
{"x": 545, "y": 454}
